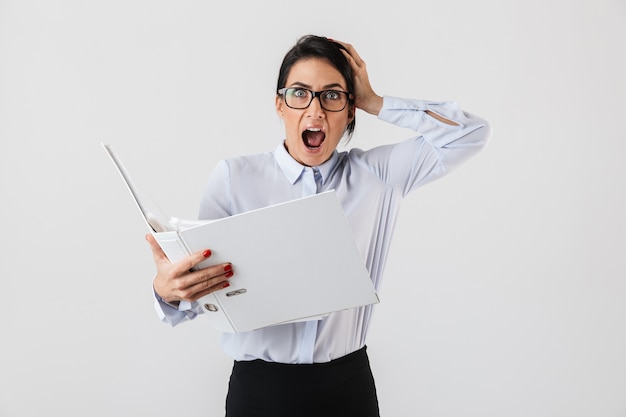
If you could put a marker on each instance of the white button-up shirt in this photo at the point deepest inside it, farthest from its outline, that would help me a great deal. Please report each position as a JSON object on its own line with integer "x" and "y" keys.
{"x": 370, "y": 185}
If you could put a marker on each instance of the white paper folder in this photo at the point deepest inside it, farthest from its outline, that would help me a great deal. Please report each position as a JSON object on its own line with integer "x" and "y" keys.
{"x": 286, "y": 267}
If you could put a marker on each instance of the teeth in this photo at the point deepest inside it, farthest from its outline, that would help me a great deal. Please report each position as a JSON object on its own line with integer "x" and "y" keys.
{"x": 313, "y": 129}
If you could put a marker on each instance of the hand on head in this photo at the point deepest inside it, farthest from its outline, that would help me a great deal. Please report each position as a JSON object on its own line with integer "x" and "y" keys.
{"x": 364, "y": 96}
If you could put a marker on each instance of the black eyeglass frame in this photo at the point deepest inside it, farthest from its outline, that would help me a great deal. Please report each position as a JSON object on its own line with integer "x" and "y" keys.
{"x": 313, "y": 95}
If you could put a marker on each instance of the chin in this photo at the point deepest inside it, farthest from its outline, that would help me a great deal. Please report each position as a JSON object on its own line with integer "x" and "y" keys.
{"x": 313, "y": 159}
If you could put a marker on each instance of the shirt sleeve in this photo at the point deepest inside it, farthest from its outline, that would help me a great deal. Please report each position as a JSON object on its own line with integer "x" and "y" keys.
{"x": 215, "y": 202}
{"x": 173, "y": 316}
{"x": 437, "y": 148}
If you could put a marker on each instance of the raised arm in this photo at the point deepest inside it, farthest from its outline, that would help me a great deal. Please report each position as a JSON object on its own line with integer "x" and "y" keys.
{"x": 365, "y": 97}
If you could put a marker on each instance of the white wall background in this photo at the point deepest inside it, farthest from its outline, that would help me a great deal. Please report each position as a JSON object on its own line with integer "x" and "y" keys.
{"x": 505, "y": 293}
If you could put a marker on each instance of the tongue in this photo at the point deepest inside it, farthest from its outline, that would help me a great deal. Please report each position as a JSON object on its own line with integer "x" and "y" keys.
{"x": 314, "y": 139}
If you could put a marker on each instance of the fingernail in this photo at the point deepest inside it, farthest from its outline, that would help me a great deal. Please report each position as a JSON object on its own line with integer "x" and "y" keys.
{"x": 226, "y": 284}
{"x": 229, "y": 274}
{"x": 206, "y": 253}
{"x": 228, "y": 267}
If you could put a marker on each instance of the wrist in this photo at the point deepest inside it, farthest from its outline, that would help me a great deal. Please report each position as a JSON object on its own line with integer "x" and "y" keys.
{"x": 373, "y": 105}
{"x": 173, "y": 304}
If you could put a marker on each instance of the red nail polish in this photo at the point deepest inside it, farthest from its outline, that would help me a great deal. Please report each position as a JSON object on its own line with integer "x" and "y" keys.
{"x": 228, "y": 268}
{"x": 229, "y": 274}
{"x": 206, "y": 253}
{"x": 226, "y": 285}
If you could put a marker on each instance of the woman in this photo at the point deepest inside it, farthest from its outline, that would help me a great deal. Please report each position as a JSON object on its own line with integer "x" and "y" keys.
{"x": 318, "y": 368}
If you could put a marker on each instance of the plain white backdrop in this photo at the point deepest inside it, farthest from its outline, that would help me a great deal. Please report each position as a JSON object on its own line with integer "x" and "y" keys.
{"x": 505, "y": 291}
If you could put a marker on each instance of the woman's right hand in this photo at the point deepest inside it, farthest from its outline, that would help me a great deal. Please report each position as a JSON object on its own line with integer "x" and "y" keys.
{"x": 175, "y": 282}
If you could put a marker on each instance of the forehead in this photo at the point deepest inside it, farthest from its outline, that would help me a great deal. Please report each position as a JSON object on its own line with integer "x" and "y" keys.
{"x": 316, "y": 73}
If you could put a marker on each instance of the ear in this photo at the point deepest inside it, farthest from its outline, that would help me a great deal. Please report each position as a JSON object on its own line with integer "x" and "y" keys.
{"x": 351, "y": 111}
{"x": 279, "y": 106}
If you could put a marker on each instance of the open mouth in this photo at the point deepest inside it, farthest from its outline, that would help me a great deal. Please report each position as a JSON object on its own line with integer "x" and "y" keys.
{"x": 313, "y": 138}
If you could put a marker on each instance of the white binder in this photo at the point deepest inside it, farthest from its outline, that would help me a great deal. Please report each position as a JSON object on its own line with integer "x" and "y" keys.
{"x": 277, "y": 280}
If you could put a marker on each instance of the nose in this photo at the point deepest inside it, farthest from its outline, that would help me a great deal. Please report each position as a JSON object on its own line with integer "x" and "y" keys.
{"x": 315, "y": 108}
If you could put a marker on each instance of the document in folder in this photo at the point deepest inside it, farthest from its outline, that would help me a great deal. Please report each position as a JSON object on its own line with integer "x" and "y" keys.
{"x": 286, "y": 268}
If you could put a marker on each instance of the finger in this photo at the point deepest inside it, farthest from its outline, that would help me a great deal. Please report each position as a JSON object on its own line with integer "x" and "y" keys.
{"x": 189, "y": 262}
{"x": 157, "y": 252}
{"x": 206, "y": 281}
{"x": 350, "y": 52}
{"x": 217, "y": 287}
{"x": 212, "y": 275}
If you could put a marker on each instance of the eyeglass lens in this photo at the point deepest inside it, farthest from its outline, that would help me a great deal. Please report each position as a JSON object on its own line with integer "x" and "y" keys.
{"x": 301, "y": 98}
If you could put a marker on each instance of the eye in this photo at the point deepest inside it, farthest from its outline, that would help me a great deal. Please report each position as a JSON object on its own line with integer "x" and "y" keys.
{"x": 332, "y": 95}
{"x": 299, "y": 92}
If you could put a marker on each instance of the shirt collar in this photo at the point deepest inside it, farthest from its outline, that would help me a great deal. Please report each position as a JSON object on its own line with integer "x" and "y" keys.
{"x": 293, "y": 169}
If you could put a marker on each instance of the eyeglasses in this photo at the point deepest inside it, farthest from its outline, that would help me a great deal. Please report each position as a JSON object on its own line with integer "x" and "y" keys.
{"x": 301, "y": 98}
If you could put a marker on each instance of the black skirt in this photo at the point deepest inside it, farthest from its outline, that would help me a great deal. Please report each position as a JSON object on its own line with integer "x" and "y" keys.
{"x": 343, "y": 387}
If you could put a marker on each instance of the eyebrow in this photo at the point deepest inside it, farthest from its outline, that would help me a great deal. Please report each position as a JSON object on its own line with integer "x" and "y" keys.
{"x": 326, "y": 87}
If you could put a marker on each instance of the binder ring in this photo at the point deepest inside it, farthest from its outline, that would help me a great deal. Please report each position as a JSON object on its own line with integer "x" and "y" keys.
{"x": 211, "y": 307}
{"x": 236, "y": 292}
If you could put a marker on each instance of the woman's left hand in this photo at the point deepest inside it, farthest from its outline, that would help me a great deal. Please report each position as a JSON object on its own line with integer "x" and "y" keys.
{"x": 364, "y": 96}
